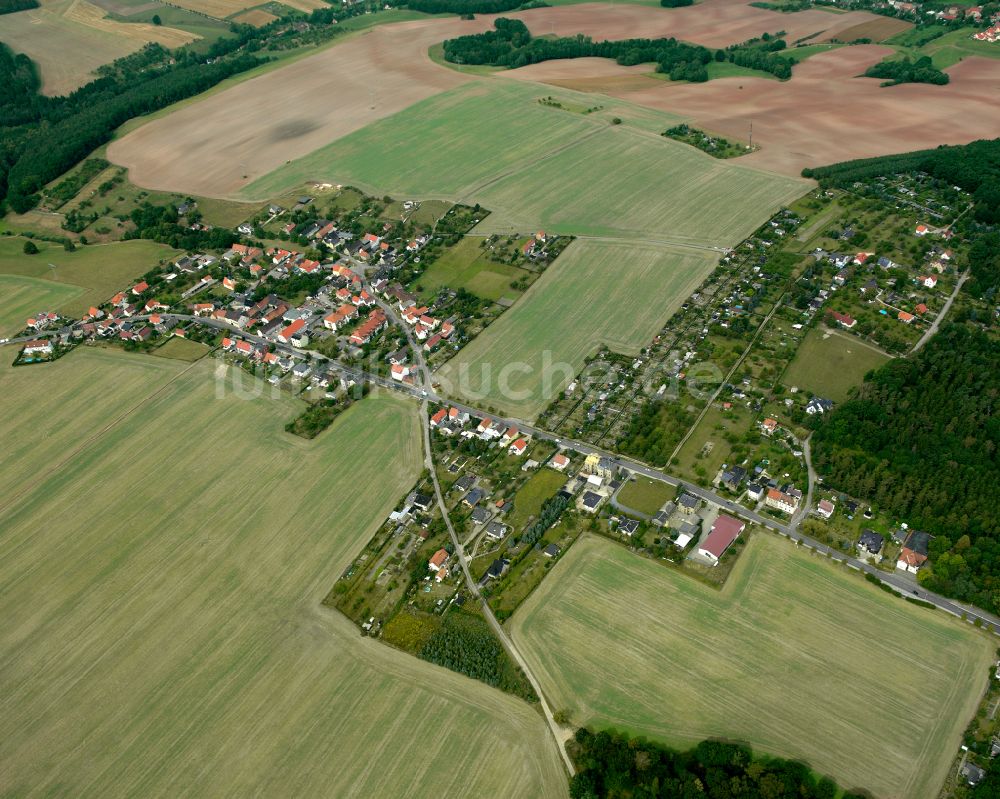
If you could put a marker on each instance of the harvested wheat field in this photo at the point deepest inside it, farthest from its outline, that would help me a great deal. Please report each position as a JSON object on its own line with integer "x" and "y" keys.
{"x": 876, "y": 694}
{"x": 221, "y": 9}
{"x": 217, "y": 146}
{"x": 69, "y": 39}
{"x": 814, "y": 117}
{"x": 163, "y": 636}
{"x": 258, "y": 18}
{"x": 713, "y": 23}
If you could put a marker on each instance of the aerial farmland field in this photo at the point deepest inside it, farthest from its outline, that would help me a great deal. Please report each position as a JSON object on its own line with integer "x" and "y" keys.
{"x": 163, "y": 556}
{"x": 94, "y": 272}
{"x": 534, "y": 165}
{"x": 21, "y": 297}
{"x": 595, "y": 293}
{"x": 69, "y": 39}
{"x": 864, "y": 694}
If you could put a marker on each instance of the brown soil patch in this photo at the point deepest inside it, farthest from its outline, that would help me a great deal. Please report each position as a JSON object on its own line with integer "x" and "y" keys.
{"x": 826, "y": 114}
{"x": 713, "y": 23}
{"x": 216, "y": 146}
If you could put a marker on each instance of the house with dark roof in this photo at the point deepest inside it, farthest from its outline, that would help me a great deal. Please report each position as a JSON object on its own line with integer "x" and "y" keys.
{"x": 465, "y": 482}
{"x": 688, "y": 503}
{"x": 870, "y": 543}
{"x": 551, "y": 551}
{"x": 481, "y": 515}
{"x": 423, "y": 501}
{"x": 496, "y": 530}
{"x": 496, "y": 569}
{"x": 591, "y": 501}
{"x": 474, "y": 497}
{"x": 733, "y": 478}
{"x": 628, "y": 527}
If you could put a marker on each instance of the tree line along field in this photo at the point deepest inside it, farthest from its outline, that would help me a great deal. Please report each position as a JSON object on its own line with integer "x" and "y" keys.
{"x": 535, "y": 165}
{"x": 794, "y": 656}
{"x": 70, "y": 39}
{"x": 163, "y": 635}
{"x": 88, "y": 276}
{"x": 595, "y": 293}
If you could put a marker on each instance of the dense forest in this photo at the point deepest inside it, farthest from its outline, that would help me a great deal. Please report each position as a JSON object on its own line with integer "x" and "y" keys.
{"x": 613, "y": 765}
{"x": 653, "y": 433}
{"x": 512, "y": 45}
{"x": 676, "y": 3}
{"x": 903, "y": 70}
{"x": 42, "y": 137}
{"x": 763, "y": 54}
{"x": 10, "y": 6}
{"x": 974, "y": 167}
{"x": 465, "y": 643}
{"x": 922, "y": 440}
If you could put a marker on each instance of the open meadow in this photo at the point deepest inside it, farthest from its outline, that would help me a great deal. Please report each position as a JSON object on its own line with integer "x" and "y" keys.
{"x": 69, "y": 39}
{"x": 163, "y": 555}
{"x": 794, "y": 656}
{"x": 535, "y": 165}
{"x": 96, "y": 271}
{"x": 594, "y": 293}
{"x": 829, "y": 363}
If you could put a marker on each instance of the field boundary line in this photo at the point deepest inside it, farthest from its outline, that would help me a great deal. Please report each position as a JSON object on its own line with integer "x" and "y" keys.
{"x": 99, "y": 434}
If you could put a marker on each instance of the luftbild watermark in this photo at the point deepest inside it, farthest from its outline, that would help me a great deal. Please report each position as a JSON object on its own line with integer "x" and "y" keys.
{"x": 510, "y": 382}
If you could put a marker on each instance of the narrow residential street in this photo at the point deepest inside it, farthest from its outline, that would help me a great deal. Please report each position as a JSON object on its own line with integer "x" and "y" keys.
{"x": 940, "y": 317}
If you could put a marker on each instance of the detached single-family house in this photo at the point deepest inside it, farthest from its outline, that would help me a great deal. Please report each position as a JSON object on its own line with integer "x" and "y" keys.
{"x": 559, "y": 462}
{"x": 496, "y": 530}
{"x": 591, "y": 501}
{"x": 437, "y": 560}
{"x": 724, "y": 531}
{"x": 870, "y": 543}
{"x": 825, "y": 509}
{"x": 768, "y": 426}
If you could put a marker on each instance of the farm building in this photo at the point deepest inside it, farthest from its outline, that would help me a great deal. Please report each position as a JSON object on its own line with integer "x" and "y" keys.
{"x": 725, "y": 530}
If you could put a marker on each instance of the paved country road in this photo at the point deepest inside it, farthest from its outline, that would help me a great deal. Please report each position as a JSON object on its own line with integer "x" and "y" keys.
{"x": 893, "y": 579}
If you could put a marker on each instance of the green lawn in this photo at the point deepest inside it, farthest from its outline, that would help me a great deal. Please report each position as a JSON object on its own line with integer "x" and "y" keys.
{"x": 93, "y": 273}
{"x": 645, "y": 495}
{"x": 534, "y": 165}
{"x": 165, "y": 550}
{"x": 594, "y": 293}
{"x": 182, "y": 349}
{"x": 21, "y": 297}
{"x": 830, "y": 363}
{"x": 467, "y": 266}
{"x": 542, "y": 485}
{"x": 795, "y": 656}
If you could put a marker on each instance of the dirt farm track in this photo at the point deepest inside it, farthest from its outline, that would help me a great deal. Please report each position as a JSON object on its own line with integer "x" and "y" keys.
{"x": 825, "y": 113}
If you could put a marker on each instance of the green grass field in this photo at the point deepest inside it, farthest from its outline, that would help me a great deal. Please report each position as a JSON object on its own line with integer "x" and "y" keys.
{"x": 533, "y": 165}
{"x": 528, "y": 501}
{"x": 646, "y": 495}
{"x": 21, "y": 297}
{"x": 829, "y": 364}
{"x": 946, "y": 50}
{"x": 466, "y": 266}
{"x": 181, "y": 349}
{"x": 594, "y": 293}
{"x": 94, "y": 273}
{"x": 163, "y": 556}
{"x": 794, "y": 656}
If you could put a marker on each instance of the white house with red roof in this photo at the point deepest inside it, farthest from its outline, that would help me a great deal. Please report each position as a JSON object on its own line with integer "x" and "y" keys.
{"x": 518, "y": 448}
